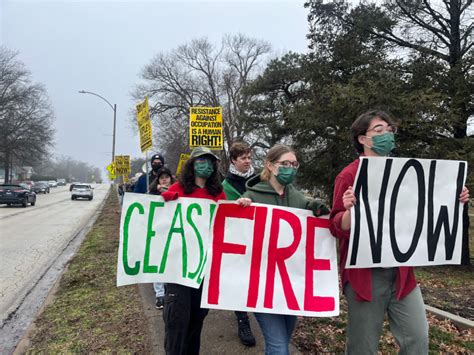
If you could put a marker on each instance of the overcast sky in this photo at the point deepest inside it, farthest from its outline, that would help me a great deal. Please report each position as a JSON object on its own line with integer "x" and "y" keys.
{"x": 102, "y": 46}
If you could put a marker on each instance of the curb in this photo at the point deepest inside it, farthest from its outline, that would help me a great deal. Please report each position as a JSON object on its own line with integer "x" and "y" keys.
{"x": 459, "y": 321}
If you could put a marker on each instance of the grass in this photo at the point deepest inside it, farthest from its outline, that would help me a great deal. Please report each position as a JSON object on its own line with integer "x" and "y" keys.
{"x": 89, "y": 313}
{"x": 327, "y": 335}
{"x": 450, "y": 288}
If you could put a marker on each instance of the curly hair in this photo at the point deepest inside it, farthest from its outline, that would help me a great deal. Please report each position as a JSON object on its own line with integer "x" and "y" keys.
{"x": 187, "y": 177}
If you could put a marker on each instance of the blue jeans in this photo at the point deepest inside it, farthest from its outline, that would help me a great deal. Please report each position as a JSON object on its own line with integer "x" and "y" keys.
{"x": 277, "y": 330}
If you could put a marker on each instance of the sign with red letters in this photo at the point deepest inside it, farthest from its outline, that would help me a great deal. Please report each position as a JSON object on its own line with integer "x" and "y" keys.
{"x": 272, "y": 260}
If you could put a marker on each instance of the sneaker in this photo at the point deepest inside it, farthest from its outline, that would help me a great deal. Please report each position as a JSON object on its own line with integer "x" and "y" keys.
{"x": 159, "y": 301}
{"x": 245, "y": 333}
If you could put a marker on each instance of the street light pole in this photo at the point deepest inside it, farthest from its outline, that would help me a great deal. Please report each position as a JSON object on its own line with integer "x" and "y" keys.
{"x": 114, "y": 108}
{"x": 113, "y": 139}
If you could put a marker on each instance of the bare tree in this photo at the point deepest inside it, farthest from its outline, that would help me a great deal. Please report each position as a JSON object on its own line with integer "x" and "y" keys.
{"x": 26, "y": 115}
{"x": 199, "y": 74}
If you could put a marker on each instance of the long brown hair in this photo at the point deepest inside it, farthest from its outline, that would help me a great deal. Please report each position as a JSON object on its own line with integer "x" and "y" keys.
{"x": 273, "y": 155}
{"x": 187, "y": 178}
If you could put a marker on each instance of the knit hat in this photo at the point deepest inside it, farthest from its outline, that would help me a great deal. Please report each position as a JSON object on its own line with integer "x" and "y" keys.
{"x": 157, "y": 156}
{"x": 163, "y": 171}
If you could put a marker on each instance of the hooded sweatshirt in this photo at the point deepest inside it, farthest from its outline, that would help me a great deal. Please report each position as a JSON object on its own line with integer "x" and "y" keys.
{"x": 262, "y": 192}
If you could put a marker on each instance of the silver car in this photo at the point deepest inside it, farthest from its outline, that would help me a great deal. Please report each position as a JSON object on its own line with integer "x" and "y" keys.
{"x": 82, "y": 191}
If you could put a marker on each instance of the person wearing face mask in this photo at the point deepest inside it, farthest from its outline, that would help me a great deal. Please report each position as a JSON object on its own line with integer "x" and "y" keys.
{"x": 157, "y": 162}
{"x": 274, "y": 186}
{"x": 240, "y": 171}
{"x": 182, "y": 313}
{"x": 372, "y": 292}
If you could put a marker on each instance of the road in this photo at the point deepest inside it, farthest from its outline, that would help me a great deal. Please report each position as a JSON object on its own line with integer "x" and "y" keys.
{"x": 33, "y": 238}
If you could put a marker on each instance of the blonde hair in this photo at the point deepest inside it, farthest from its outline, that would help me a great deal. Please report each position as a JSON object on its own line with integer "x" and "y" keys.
{"x": 273, "y": 155}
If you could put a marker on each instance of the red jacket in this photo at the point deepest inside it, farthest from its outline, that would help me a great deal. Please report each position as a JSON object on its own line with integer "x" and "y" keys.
{"x": 359, "y": 279}
{"x": 176, "y": 190}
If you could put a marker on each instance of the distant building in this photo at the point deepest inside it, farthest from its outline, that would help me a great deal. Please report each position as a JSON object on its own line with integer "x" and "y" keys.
{"x": 18, "y": 173}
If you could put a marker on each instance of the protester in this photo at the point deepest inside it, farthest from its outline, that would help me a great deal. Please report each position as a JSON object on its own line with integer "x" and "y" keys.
{"x": 182, "y": 313}
{"x": 274, "y": 187}
{"x": 164, "y": 179}
{"x": 157, "y": 162}
{"x": 372, "y": 292}
{"x": 120, "y": 190}
{"x": 240, "y": 171}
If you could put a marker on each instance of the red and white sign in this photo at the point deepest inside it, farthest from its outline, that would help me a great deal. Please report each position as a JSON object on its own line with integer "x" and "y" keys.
{"x": 271, "y": 259}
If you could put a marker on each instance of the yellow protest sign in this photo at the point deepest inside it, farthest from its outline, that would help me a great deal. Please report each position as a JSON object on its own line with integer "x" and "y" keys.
{"x": 182, "y": 159}
{"x": 144, "y": 125}
{"x": 122, "y": 164}
{"x": 111, "y": 168}
{"x": 205, "y": 127}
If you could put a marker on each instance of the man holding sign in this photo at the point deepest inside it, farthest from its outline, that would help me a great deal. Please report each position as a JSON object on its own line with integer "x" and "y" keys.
{"x": 370, "y": 292}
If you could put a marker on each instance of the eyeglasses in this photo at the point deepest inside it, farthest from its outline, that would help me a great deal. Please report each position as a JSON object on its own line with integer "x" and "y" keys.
{"x": 380, "y": 128}
{"x": 288, "y": 164}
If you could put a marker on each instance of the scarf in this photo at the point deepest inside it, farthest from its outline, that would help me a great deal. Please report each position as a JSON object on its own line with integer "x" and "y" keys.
{"x": 245, "y": 175}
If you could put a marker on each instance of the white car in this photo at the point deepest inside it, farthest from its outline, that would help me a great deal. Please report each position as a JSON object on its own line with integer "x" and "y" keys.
{"x": 82, "y": 191}
{"x": 53, "y": 183}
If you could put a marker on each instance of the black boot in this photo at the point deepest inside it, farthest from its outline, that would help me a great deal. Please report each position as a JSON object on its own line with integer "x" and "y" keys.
{"x": 245, "y": 333}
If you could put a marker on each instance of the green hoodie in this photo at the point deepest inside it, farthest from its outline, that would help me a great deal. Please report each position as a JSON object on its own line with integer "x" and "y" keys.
{"x": 262, "y": 192}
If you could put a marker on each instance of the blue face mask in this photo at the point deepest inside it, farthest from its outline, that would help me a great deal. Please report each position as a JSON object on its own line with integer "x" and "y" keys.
{"x": 383, "y": 144}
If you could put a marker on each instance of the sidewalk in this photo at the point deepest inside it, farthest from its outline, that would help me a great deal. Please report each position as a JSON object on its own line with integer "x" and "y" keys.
{"x": 219, "y": 334}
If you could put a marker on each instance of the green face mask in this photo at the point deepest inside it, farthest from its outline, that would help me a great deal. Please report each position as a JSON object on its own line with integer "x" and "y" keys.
{"x": 203, "y": 169}
{"x": 383, "y": 144}
{"x": 285, "y": 175}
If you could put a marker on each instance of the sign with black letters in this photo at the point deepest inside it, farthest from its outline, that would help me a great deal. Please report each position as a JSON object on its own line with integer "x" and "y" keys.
{"x": 407, "y": 213}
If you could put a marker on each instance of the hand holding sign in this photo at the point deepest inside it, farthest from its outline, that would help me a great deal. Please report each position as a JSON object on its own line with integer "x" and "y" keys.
{"x": 349, "y": 199}
{"x": 464, "y": 197}
{"x": 244, "y": 201}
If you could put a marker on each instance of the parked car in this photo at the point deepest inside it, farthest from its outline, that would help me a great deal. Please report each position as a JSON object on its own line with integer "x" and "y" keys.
{"x": 41, "y": 187}
{"x": 82, "y": 191}
{"x": 11, "y": 194}
{"x": 53, "y": 183}
{"x": 61, "y": 182}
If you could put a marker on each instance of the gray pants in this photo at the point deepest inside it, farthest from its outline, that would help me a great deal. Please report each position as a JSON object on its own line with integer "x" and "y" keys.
{"x": 407, "y": 317}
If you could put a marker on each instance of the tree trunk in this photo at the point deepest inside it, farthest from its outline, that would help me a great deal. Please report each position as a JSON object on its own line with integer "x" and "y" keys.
{"x": 6, "y": 165}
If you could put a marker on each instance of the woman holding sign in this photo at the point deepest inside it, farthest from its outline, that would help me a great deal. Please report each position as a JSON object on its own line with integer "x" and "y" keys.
{"x": 274, "y": 187}
{"x": 372, "y": 292}
{"x": 182, "y": 313}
